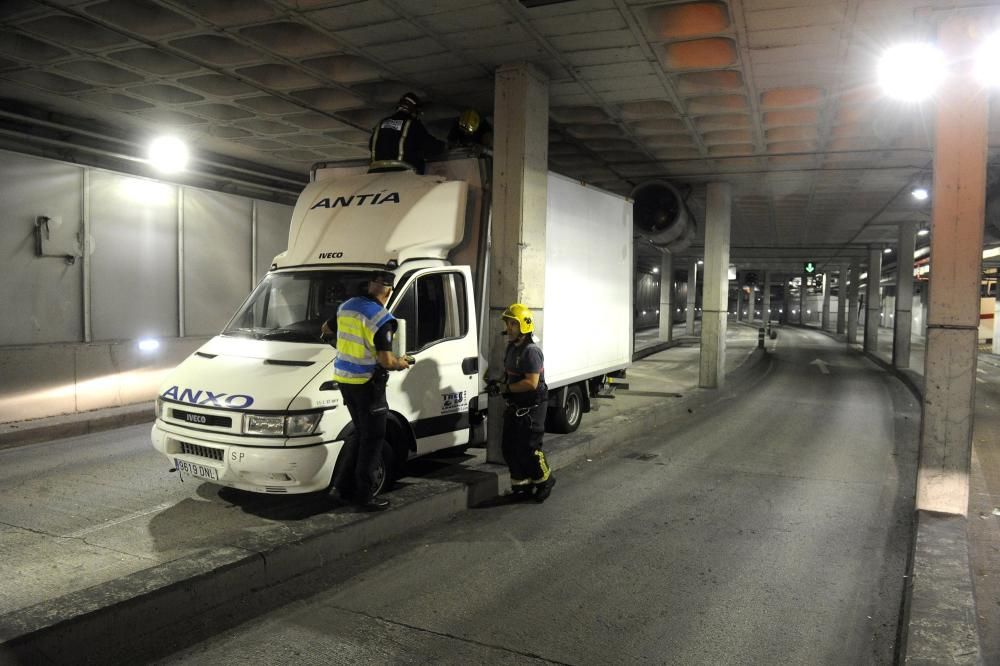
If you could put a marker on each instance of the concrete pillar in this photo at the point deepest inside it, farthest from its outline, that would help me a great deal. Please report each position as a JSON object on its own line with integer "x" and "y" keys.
{"x": 852, "y": 303}
{"x": 842, "y": 300}
{"x": 902, "y": 325}
{"x": 996, "y": 322}
{"x": 960, "y": 147}
{"x": 786, "y": 303}
{"x": 520, "y": 183}
{"x": 766, "y": 305}
{"x": 872, "y": 300}
{"x": 824, "y": 317}
{"x": 715, "y": 295}
{"x": 692, "y": 299}
{"x": 802, "y": 299}
{"x": 667, "y": 297}
{"x": 741, "y": 301}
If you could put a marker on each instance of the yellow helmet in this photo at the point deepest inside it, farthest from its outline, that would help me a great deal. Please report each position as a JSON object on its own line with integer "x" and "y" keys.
{"x": 522, "y": 315}
{"x": 468, "y": 122}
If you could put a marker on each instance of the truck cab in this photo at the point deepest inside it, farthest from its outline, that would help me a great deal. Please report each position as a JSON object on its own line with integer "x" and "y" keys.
{"x": 255, "y": 408}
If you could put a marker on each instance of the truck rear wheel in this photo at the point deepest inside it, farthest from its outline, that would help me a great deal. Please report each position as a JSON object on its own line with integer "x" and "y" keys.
{"x": 566, "y": 418}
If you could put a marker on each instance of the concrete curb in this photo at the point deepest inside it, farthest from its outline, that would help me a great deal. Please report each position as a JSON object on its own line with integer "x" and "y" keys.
{"x": 72, "y": 425}
{"x": 119, "y": 621}
{"x": 116, "y": 622}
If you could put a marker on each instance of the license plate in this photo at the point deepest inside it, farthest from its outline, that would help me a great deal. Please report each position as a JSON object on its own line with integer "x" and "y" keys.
{"x": 194, "y": 469}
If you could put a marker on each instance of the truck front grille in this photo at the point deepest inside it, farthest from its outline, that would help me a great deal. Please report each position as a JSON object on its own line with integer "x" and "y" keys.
{"x": 201, "y": 451}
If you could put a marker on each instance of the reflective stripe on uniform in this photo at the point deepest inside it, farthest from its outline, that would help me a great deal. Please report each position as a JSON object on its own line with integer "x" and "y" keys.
{"x": 358, "y": 320}
{"x": 544, "y": 465}
{"x": 402, "y": 138}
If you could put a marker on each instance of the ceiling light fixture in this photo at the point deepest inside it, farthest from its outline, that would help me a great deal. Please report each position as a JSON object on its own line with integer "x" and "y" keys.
{"x": 923, "y": 232}
{"x": 920, "y": 193}
{"x": 168, "y": 154}
{"x": 911, "y": 72}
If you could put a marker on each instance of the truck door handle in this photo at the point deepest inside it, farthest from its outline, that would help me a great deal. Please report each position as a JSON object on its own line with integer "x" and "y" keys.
{"x": 470, "y": 365}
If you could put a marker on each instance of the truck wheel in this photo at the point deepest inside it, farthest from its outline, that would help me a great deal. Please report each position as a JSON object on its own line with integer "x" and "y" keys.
{"x": 384, "y": 473}
{"x": 566, "y": 419}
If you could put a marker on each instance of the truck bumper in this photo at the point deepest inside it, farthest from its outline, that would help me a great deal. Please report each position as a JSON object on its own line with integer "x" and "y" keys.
{"x": 276, "y": 470}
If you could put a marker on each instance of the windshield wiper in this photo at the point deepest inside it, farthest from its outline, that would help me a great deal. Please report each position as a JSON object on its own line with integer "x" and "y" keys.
{"x": 244, "y": 332}
{"x": 290, "y": 335}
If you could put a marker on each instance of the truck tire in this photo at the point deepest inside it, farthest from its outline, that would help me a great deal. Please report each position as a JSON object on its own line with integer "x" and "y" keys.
{"x": 566, "y": 418}
{"x": 385, "y": 469}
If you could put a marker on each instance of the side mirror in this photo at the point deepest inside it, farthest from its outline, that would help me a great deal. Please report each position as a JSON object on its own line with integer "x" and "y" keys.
{"x": 399, "y": 339}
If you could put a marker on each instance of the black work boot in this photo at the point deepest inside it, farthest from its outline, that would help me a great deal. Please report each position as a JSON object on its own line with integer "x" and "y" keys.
{"x": 521, "y": 490}
{"x": 544, "y": 489}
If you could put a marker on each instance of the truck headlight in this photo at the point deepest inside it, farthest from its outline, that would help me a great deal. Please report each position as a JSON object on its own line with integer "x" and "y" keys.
{"x": 158, "y": 406}
{"x": 258, "y": 424}
{"x": 293, "y": 425}
{"x": 302, "y": 424}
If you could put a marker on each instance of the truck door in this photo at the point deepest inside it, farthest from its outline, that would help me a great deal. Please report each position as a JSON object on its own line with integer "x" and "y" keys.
{"x": 435, "y": 393}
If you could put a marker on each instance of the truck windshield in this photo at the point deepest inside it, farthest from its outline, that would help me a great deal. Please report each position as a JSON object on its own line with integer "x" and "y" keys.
{"x": 293, "y": 306}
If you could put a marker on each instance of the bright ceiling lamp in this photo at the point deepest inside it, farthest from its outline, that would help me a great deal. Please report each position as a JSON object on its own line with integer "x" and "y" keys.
{"x": 920, "y": 193}
{"x": 168, "y": 154}
{"x": 911, "y": 72}
{"x": 987, "y": 66}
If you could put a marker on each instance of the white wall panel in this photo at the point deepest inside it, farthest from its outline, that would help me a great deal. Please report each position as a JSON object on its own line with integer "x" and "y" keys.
{"x": 41, "y": 296}
{"x": 272, "y": 233}
{"x": 217, "y": 243}
{"x": 134, "y": 275}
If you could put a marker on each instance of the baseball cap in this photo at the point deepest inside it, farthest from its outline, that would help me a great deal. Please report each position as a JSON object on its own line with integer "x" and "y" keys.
{"x": 384, "y": 277}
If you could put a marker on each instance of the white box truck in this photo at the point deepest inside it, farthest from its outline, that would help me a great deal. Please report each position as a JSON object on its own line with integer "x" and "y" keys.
{"x": 255, "y": 408}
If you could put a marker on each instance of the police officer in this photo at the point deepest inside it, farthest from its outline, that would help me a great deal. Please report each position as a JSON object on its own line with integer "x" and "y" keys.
{"x": 470, "y": 129}
{"x": 364, "y": 359}
{"x": 401, "y": 141}
{"x": 527, "y": 401}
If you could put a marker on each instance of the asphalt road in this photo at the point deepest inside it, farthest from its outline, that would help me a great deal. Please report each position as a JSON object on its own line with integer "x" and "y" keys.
{"x": 772, "y": 530}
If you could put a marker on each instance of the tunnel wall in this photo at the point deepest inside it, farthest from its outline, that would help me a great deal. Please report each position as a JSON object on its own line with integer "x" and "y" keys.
{"x": 149, "y": 259}
{"x": 647, "y": 300}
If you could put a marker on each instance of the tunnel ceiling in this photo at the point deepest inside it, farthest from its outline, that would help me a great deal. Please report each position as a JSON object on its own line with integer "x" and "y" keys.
{"x": 776, "y": 97}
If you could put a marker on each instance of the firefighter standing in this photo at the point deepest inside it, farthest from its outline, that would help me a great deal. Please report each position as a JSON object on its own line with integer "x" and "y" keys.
{"x": 364, "y": 359}
{"x": 527, "y": 401}
{"x": 400, "y": 141}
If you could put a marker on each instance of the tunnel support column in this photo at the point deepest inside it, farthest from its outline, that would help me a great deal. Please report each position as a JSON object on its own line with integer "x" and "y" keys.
{"x": 692, "y": 294}
{"x": 715, "y": 299}
{"x": 902, "y": 324}
{"x": 996, "y": 322}
{"x": 765, "y": 306}
{"x": 786, "y": 303}
{"x": 852, "y": 303}
{"x": 842, "y": 300}
{"x": 802, "y": 299}
{"x": 872, "y": 300}
{"x": 960, "y": 146}
{"x": 520, "y": 188}
{"x": 667, "y": 297}
{"x": 824, "y": 317}
{"x": 740, "y": 297}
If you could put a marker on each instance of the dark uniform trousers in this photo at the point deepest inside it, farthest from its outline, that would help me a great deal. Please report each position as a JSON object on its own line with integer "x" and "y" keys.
{"x": 523, "y": 430}
{"x": 369, "y": 413}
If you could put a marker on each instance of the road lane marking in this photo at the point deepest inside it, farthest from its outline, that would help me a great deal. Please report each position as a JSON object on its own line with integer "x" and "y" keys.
{"x": 117, "y": 521}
